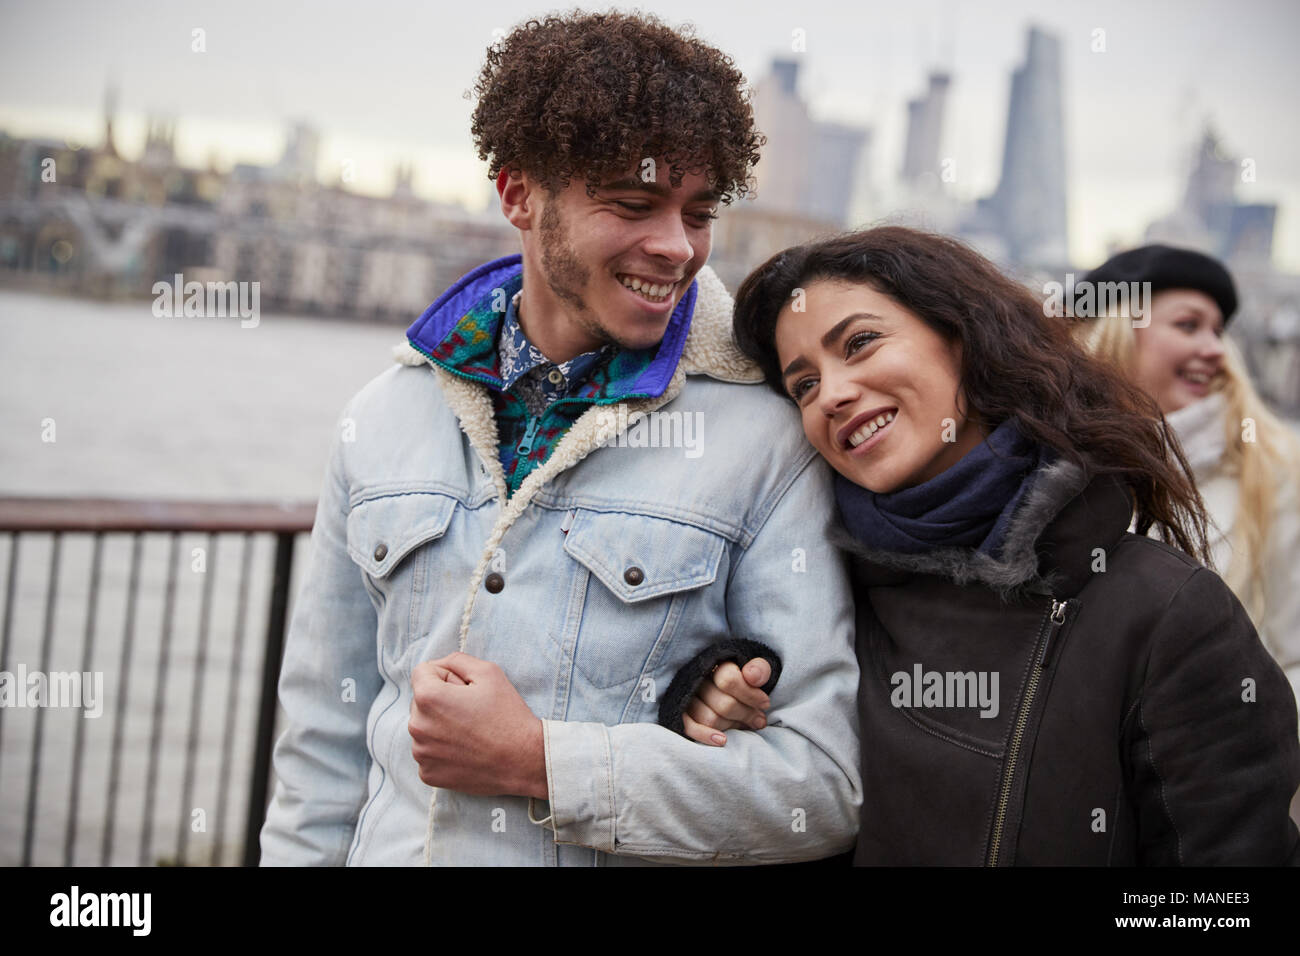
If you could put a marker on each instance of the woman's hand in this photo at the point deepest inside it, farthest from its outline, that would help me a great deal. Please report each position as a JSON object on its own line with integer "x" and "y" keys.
{"x": 728, "y": 698}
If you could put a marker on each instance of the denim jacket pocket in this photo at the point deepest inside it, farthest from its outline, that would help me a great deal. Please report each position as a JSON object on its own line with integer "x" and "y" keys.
{"x": 644, "y": 573}
{"x": 385, "y": 538}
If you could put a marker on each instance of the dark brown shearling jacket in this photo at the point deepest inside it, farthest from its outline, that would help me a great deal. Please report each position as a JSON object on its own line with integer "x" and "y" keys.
{"x": 1139, "y": 719}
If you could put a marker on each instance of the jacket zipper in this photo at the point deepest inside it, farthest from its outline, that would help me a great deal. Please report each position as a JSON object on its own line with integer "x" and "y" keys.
{"x": 1052, "y": 622}
{"x": 530, "y": 435}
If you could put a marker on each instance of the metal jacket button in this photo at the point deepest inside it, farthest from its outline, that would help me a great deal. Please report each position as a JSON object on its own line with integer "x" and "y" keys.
{"x": 556, "y": 376}
{"x": 494, "y": 583}
{"x": 381, "y": 552}
{"x": 634, "y": 575}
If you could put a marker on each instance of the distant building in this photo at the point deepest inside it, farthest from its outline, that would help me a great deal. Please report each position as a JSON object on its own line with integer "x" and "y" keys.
{"x": 836, "y": 171}
{"x": 1027, "y": 212}
{"x": 1211, "y": 218}
{"x": 808, "y": 169}
{"x": 88, "y": 220}
{"x": 1023, "y": 224}
{"x": 924, "y": 135}
{"x": 298, "y": 162}
{"x": 748, "y": 233}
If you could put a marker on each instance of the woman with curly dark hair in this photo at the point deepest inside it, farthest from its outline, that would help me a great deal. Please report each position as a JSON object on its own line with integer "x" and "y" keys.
{"x": 1038, "y": 684}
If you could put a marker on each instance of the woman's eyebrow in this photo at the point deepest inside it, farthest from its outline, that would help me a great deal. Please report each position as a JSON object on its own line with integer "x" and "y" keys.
{"x": 1194, "y": 310}
{"x": 829, "y": 339}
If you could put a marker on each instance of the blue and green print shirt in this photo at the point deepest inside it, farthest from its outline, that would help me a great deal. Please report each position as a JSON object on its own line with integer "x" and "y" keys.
{"x": 530, "y": 375}
{"x": 535, "y": 400}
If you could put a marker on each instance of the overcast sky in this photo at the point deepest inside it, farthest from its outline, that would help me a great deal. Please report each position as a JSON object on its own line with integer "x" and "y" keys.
{"x": 385, "y": 81}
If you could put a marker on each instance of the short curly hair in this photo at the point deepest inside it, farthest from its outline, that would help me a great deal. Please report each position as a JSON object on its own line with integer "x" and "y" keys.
{"x": 592, "y": 95}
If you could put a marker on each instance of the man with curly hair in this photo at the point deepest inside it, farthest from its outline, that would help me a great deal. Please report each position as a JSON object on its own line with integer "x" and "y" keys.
{"x": 518, "y": 550}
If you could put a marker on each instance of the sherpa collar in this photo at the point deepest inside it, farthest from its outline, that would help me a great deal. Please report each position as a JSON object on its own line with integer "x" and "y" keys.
{"x": 1049, "y": 548}
{"x": 709, "y": 350}
{"x": 705, "y": 345}
{"x": 462, "y": 325}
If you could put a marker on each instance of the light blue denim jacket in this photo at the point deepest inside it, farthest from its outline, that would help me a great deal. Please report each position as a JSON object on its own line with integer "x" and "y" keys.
{"x": 730, "y": 536}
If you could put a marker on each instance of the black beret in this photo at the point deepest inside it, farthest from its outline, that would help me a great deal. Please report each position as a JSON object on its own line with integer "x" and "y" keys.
{"x": 1166, "y": 267}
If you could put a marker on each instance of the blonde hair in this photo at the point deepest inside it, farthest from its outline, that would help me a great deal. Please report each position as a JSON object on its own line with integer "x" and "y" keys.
{"x": 1261, "y": 466}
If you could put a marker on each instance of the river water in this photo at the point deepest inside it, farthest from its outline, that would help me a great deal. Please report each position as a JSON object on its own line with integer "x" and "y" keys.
{"x": 160, "y": 408}
{"x": 107, "y": 400}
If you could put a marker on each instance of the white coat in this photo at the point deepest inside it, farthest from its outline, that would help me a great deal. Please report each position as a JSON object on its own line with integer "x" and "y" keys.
{"x": 1202, "y": 432}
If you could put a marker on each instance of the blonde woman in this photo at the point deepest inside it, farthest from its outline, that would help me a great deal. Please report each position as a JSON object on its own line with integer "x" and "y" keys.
{"x": 1245, "y": 460}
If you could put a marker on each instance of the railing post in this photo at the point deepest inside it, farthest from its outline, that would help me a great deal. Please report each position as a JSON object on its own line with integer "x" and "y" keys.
{"x": 261, "y": 783}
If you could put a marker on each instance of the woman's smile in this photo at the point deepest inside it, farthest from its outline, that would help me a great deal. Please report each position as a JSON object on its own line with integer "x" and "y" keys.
{"x": 855, "y": 361}
{"x": 870, "y": 432}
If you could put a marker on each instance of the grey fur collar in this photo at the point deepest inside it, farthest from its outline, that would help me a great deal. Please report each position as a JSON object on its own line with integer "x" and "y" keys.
{"x": 1054, "y": 486}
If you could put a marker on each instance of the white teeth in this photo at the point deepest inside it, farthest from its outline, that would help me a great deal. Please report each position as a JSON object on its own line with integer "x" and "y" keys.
{"x": 645, "y": 288}
{"x": 1200, "y": 378}
{"x": 870, "y": 428}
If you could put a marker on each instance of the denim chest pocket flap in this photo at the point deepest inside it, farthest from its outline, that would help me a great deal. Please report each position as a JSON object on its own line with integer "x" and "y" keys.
{"x": 638, "y": 557}
{"x": 382, "y": 531}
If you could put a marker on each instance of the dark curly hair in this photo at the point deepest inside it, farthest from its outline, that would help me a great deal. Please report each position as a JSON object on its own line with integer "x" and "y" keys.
{"x": 591, "y": 95}
{"x": 1015, "y": 362}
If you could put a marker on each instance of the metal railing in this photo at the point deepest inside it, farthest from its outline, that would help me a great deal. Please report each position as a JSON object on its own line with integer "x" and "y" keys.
{"x": 64, "y": 519}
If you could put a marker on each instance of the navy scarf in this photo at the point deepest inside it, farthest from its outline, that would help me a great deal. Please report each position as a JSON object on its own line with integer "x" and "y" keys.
{"x": 969, "y": 505}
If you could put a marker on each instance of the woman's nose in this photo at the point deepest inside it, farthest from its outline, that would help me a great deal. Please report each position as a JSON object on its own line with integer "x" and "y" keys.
{"x": 1211, "y": 346}
{"x": 836, "y": 391}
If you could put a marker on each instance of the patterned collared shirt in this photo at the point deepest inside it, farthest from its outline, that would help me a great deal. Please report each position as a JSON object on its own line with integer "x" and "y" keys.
{"x": 469, "y": 348}
{"x": 525, "y": 441}
{"x": 531, "y": 376}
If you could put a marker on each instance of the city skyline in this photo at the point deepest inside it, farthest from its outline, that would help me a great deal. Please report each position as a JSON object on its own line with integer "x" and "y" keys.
{"x": 365, "y": 119}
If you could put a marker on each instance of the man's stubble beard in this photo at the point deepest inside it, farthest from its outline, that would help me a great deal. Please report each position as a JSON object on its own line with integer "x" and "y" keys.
{"x": 566, "y": 275}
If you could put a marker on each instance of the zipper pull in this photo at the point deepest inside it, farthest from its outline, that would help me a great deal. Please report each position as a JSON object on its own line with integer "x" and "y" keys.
{"x": 530, "y": 435}
{"x": 1056, "y": 619}
{"x": 567, "y": 522}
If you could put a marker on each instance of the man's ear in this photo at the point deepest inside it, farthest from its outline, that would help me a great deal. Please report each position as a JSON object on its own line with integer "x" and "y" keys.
{"x": 520, "y": 196}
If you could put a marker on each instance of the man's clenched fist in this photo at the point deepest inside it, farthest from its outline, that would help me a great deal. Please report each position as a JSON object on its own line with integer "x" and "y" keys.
{"x": 472, "y": 732}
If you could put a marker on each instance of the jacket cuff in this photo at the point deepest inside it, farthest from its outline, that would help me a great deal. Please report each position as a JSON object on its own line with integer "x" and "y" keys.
{"x": 579, "y": 776}
{"x": 739, "y": 650}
